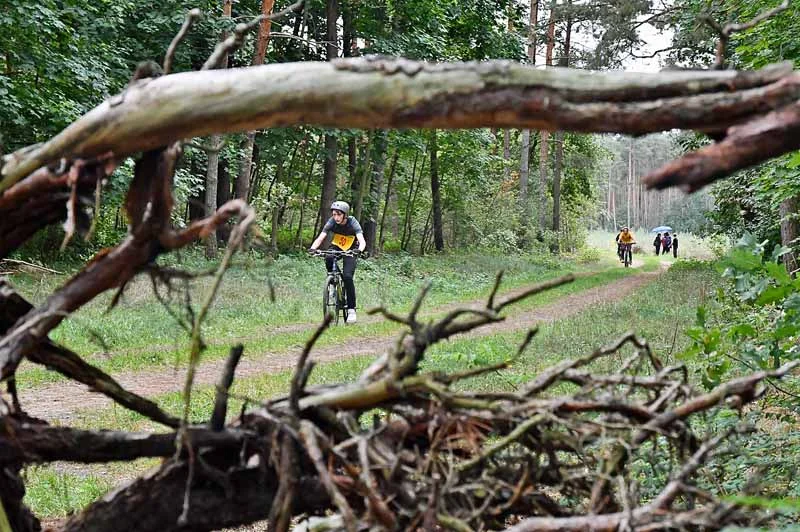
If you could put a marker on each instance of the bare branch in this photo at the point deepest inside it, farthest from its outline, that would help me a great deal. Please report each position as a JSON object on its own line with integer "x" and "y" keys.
{"x": 191, "y": 17}
{"x": 226, "y": 379}
{"x": 298, "y": 380}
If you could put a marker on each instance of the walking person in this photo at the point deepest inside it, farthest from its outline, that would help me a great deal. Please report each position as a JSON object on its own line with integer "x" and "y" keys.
{"x": 657, "y": 243}
{"x": 665, "y": 243}
{"x": 675, "y": 245}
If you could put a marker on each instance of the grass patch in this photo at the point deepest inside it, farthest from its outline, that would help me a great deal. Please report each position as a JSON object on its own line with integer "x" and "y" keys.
{"x": 166, "y": 349}
{"x": 52, "y": 494}
{"x": 656, "y": 311}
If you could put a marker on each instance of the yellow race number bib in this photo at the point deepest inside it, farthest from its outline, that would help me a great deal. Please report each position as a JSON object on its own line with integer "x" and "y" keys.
{"x": 343, "y": 241}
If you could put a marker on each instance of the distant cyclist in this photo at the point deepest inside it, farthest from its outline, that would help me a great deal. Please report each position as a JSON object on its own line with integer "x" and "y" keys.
{"x": 345, "y": 230}
{"x": 625, "y": 238}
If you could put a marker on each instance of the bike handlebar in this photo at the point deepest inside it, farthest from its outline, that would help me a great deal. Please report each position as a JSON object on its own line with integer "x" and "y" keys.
{"x": 335, "y": 253}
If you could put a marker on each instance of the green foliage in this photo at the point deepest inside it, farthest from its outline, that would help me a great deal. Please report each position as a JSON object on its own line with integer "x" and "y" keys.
{"x": 754, "y": 320}
{"x": 748, "y": 201}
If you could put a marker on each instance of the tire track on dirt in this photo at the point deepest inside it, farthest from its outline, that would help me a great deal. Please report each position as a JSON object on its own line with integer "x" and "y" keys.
{"x": 61, "y": 402}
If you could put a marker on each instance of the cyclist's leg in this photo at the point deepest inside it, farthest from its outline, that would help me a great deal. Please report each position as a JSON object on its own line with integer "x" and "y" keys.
{"x": 348, "y": 270}
{"x": 330, "y": 260}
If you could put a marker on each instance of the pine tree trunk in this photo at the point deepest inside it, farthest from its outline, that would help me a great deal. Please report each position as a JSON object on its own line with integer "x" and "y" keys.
{"x": 409, "y": 205}
{"x": 352, "y": 168}
{"x": 410, "y": 210}
{"x": 559, "y": 156}
{"x": 363, "y": 179}
{"x": 557, "y": 168}
{"x": 212, "y": 176}
{"x": 629, "y": 183}
{"x": 524, "y": 163}
{"x": 544, "y": 147}
{"x": 331, "y": 143}
{"x": 223, "y": 196}
{"x": 436, "y": 198}
{"x": 389, "y": 193}
{"x": 371, "y": 207}
{"x": 259, "y": 54}
{"x": 524, "y": 172}
{"x": 507, "y": 157}
{"x": 309, "y": 176}
{"x": 215, "y": 143}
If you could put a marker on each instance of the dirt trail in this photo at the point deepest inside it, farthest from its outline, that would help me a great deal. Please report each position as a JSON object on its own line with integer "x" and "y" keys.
{"x": 62, "y": 401}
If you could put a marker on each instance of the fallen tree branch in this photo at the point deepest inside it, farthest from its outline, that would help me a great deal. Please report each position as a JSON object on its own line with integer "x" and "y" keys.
{"x": 30, "y": 443}
{"x": 393, "y": 93}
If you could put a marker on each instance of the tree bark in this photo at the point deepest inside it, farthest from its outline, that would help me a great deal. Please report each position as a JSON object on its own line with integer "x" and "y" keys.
{"x": 331, "y": 143}
{"x": 524, "y": 172}
{"x": 524, "y": 163}
{"x": 363, "y": 178}
{"x": 557, "y": 169}
{"x": 215, "y": 143}
{"x": 309, "y": 177}
{"x": 411, "y": 204}
{"x": 372, "y": 205}
{"x": 559, "y": 139}
{"x": 389, "y": 193}
{"x": 359, "y": 93}
{"x": 629, "y": 184}
{"x": 436, "y": 198}
{"x": 544, "y": 137}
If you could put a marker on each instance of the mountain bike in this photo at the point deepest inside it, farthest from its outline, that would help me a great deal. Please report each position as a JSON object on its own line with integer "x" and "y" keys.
{"x": 627, "y": 254}
{"x": 333, "y": 298}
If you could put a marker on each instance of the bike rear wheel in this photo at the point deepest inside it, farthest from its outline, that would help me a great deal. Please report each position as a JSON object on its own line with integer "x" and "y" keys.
{"x": 330, "y": 299}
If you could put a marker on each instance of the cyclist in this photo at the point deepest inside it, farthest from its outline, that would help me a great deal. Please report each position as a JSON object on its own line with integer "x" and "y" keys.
{"x": 345, "y": 230}
{"x": 626, "y": 238}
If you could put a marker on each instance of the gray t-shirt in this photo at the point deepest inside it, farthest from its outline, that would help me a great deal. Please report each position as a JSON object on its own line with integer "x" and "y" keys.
{"x": 343, "y": 235}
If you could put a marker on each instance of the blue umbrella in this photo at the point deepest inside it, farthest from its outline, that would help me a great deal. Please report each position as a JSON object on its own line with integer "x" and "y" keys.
{"x": 660, "y": 229}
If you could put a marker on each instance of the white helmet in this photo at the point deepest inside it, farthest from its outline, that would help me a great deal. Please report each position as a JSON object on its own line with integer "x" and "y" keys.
{"x": 342, "y": 206}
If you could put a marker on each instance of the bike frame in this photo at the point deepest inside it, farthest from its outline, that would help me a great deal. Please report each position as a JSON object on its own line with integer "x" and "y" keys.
{"x": 333, "y": 298}
{"x": 627, "y": 254}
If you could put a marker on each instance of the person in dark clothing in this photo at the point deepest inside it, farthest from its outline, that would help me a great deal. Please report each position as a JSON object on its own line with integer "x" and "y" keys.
{"x": 665, "y": 243}
{"x": 675, "y": 245}
{"x": 657, "y": 243}
{"x": 346, "y": 231}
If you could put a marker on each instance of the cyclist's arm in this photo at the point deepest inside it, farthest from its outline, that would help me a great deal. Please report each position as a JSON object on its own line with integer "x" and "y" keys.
{"x": 320, "y": 239}
{"x": 362, "y": 244}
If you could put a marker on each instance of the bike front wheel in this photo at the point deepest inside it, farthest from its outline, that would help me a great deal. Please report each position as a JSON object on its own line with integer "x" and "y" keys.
{"x": 330, "y": 299}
